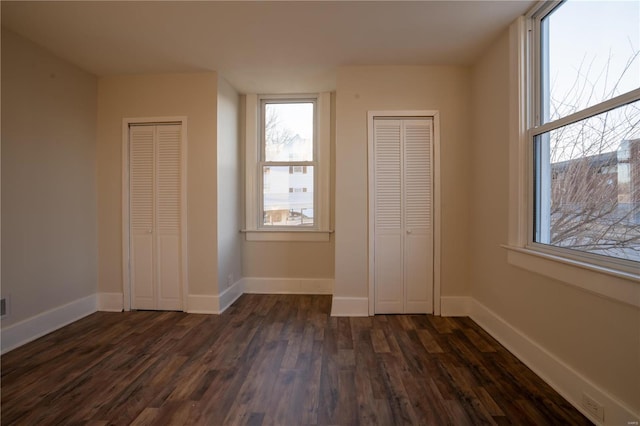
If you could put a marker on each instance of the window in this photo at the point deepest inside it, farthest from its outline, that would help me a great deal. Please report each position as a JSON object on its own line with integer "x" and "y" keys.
{"x": 288, "y": 152}
{"x": 287, "y": 159}
{"x": 584, "y": 132}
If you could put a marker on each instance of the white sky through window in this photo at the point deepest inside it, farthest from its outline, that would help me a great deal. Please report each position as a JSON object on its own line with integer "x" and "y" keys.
{"x": 593, "y": 55}
{"x": 298, "y": 117}
{"x": 592, "y": 42}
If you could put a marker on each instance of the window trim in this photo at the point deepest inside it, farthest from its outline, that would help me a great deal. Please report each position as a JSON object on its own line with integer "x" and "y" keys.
{"x": 610, "y": 279}
{"x": 537, "y": 127}
{"x": 254, "y": 155}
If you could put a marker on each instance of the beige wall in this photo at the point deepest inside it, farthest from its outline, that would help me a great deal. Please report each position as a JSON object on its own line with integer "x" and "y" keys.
{"x": 295, "y": 259}
{"x": 288, "y": 259}
{"x": 364, "y": 88}
{"x": 49, "y": 236}
{"x": 597, "y": 337}
{"x": 230, "y": 190}
{"x": 190, "y": 95}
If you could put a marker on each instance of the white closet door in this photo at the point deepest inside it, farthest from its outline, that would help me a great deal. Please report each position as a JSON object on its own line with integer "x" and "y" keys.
{"x": 168, "y": 207}
{"x": 418, "y": 253}
{"x": 388, "y": 268}
{"x": 141, "y": 181}
{"x": 403, "y": 241}
{"x": 155, "y": 212}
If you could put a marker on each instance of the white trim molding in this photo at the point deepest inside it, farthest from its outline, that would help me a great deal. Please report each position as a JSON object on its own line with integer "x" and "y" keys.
{"x": 230, "y": 295}
{"x": 288, "y": 285}
{"x": 20, "y": 333}
{"x": 560, "y": 376}
{"x": 110, "y": 302}
{"x": 217, "y": 304}
{"x": 254, "y": 231}
{"x": 214, "y": 303}
{"x": 203, "y": 304}
{"x": 519, "y": 168}
{"x": 611, "y": 278}
{"x": 455, "y": 306}
{"x": 614, "y": 285}
{"x": 350, "y": 307}
{"x": 293, "y": 235}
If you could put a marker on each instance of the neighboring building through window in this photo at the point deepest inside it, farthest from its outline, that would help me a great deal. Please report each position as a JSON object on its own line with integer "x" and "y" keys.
{"x": 585, "y": 130}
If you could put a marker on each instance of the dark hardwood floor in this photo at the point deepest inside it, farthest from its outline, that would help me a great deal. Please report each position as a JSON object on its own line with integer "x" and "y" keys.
{"x": 273, "y": 359}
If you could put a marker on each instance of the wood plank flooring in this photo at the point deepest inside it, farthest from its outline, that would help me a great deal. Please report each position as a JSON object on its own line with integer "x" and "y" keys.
{"x": 273, "y": 360}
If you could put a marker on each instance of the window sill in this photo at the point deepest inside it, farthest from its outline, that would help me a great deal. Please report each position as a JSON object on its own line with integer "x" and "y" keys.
{"x": 616, "y": 285}
{"x": 286, "y": 235}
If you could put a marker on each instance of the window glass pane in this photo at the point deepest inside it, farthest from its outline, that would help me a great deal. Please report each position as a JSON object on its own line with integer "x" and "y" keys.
{"x": 589, "y": 53}
{"x": 588, "y": 184}
{"x": 288, "y": 131}
{"x": 288, "y": 195}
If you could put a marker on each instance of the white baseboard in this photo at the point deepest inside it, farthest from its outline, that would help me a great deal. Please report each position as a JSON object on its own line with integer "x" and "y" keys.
{"x": 561, "y": 377}
{"x": 211, "y": 304}
{"x": 359, "y": 306}
{"x": 350, "y": 307}
{"x": 25, "y": 331}
{"x": 288, "y": 285}
{"x": 110, "y": 302}
{"x": 455, "y": 306}
{"x": 230, "y": 295}
{"x": 203, "y": 304}
{"x": 214, "y": 304}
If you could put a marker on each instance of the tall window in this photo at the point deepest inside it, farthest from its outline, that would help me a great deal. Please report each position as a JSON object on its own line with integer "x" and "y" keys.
{"x": 585, "y": 131}
{"x": 287, "y": 162}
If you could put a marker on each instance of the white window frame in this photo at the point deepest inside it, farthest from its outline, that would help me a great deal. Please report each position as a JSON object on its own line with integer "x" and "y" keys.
{"x": 254, "y": 161}
{"x": 609, "y": 277}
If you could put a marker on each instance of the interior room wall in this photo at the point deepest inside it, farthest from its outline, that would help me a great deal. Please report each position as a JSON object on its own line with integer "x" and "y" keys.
{"x": 194, "y": 96}
{"x": 365, "y": 88}
{"x": 288, "y": 259}
{"x": 230, "y": 192}
{"x": 596, "y": 337}
{"x": 49, "y": 232}
{"x": 275, "y": 259}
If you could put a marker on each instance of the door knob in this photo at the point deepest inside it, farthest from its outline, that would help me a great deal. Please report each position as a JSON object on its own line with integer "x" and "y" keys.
{"x": 408, "y": 231}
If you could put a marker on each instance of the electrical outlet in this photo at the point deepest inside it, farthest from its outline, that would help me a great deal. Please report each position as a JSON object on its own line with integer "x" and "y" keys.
{"x": 593, "y": 407}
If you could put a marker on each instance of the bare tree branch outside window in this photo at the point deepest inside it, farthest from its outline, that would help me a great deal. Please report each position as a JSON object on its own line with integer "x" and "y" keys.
{"x": 595, "y": 170}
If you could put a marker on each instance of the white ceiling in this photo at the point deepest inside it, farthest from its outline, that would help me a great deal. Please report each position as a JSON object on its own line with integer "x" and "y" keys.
{"x": 261, "y": 46}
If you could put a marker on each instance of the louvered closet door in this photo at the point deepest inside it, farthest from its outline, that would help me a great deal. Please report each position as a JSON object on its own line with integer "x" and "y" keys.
{"x": 141, "y": 183}
{"x": 403, "y": 241}
{"x": 388, "y": 245}
{"x": 418, "y": 244}
{"x": 155, "y": 212}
